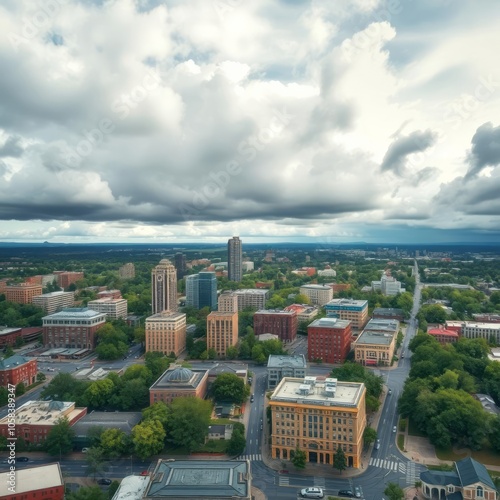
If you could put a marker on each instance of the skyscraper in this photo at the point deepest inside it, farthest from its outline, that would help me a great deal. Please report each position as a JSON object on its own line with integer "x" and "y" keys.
{"x": 180, "y": 265}
{"x": 234, "y": 259}
{"x": 201, "y": 290}
{"x": 164, "y": 287}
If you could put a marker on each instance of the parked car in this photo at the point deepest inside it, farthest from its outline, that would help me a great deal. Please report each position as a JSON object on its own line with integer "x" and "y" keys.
{"x": 22, "y": 459}
{"x": 104, "y": 481}
{"x": 252, "y": 398}
{"x": 394, "y": 429}
{"x": 84, "y": 450}
{"x": 345, "y": 493}
{"x": 312, "y": 492}
{"x": 357, "y": 491}
{"x": 390, "y": 392}
{"x": 377, "y": 444}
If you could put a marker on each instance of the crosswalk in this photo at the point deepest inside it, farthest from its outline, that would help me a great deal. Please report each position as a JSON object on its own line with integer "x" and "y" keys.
{"x": 410, "y": 469}
{"x": 255, "y": 457}
{"x": 283, "y": 480}
{"x": 388, "y": 464}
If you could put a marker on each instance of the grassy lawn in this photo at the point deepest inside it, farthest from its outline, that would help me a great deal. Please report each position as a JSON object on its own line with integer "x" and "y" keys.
{"x": 413, "y": 431}
{"x": 486, "y": 456}
{"x": 221, "y": 421}
{"x": 442, "y": 467}
{"x": 401, "y": 442}
{"x": 214, "y": 446}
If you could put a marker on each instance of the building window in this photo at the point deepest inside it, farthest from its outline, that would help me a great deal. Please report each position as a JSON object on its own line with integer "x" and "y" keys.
{"x": 480, "y": 492}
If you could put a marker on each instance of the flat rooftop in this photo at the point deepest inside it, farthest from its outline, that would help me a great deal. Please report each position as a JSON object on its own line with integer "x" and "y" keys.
{"x": 484, "y": 326}
{"x": 132, "y": 488}
{"x": 42, "y": 477}
{"x": 75, "y": 312}
{"x": 330, "y": 323}
{"x": 112, "y": 419}
{"x": 369, "y": 337}
{"x": 44, "y": 412}
{"x": 273, "y": 312}
{"x": 316, "y": 287}
{"x": 250, "y": 291}
{"x": 280, "y": 361}
{"x": 386, "y": 325}
{"x": 216, "y": 479}
{"x": 347, "y": 303}
{"x": 166, "y": 316}
{"x": 347, "y": 394}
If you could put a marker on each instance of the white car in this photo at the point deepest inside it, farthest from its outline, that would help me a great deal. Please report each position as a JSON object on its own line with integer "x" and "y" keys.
{"x": 312, "y": 492}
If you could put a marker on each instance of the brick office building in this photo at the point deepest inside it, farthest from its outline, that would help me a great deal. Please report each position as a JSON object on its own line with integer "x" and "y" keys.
{"x": 329, "y": 339}
{"x": 43, "y": 482}
{"x": 281, "y": 323}
{"x": 72, "y": 328}
{"x": 17, "y": 369}
{"x": 35, "y": 419}
{"x": 22, "y": 293}
{"x": 66, "y": 278}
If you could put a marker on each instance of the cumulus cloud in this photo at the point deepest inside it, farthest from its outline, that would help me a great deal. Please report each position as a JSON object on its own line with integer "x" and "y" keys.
{"x": 396, "y": 157}
{"x": 198, "y": 119}
{"x": 485, "y": 149}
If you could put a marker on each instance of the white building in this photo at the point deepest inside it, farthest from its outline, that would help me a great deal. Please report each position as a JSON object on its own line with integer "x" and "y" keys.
{"x": 54, "y": 301}
{"x": 318, "y": 294}
{"x": 112, "y": 308}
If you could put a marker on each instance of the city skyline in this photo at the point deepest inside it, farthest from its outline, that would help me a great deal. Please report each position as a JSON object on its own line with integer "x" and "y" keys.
{"x": 166, "y": 121}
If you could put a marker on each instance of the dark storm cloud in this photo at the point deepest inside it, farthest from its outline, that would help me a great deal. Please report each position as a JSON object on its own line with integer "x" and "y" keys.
{"x": 485, "y": 149}
{"x": 12, "y": 147}
{"x": 395, "y": 158}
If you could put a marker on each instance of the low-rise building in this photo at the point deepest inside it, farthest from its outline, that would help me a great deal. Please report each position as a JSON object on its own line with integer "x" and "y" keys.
{"x": 54, "y": 301}
{"x": 17, "y": 369}
{"x": 22, "y": 293}
{"x": 251, "y": 297}
{"x": 374, "y": 348}
{"x": 442, "y": 335}
{"x": 329, "y": 340}
{"x": 318, "y": 294}
{"x": 388, "y": 313}
{"x": 8, "y": 335}
{"x": 73, "y": 327}
{"x": 200, "y": 479}
{"x": 469, "y": 479}
{"x": 488, "y": 331}
{"x": 318, "y": 416}
{"x": 355, "y": 311}
{"x": 67, "y": 278}
{"x": 35, "y": 419}
{"x": 281, "y": 323}
{"x": 280, "y": 366}
{"x": 179, "y": 382}
{"x": 111, "y": 307}
{"x": 305, "y": 313}
{"x": 43, "y": 482}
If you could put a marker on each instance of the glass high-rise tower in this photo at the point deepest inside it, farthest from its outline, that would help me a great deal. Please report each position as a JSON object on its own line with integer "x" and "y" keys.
{"x": 234, "y": 259}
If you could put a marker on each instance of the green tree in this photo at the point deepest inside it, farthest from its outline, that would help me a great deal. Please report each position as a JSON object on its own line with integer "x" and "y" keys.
{"x": 237, "y": 443}
{"x": 98, "y": 393}
{"x": 231, "y": 388}
{"x": 40, "y": 377}
{"x": 157, "y": 363}
{"x": 369, "y": 436}
{"x": 232, "y": 352}
{"x": 133, "y": 395}
{"x": 157, "y": 411}
{"x": 95, "y": 462}
{"x": 114, "y": 442}
{"x": 113, "y": 488}
{"x": 339, "y": 460}
{"x": 394, "y": 492}
{"x": 20, "y": 389}
{"x": 299, "y": 458}
{"x": 64, "y": 387}
{"x": 87, "y": 493}
{"x": 148, "y": 438}
{"x": 188, "y": 422}
{"x": 59, "y": 439}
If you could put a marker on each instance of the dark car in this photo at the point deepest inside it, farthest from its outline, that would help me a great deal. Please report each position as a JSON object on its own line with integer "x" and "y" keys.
{"x": 104, "y": 481}
{"x": 252, "y": 397}
{"x": 22, "y": 459}
{"x": 346, "y": 493}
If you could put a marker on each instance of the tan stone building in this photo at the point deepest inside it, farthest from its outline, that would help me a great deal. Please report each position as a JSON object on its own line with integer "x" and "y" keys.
{"x": 377, "y": 342}
{"x": 54, "y": 301}
{"x": 318, "y": 415}
{"x": 166, "y": 332}
{"x": 222, "y": 331}
{"x": 228, "y": 302}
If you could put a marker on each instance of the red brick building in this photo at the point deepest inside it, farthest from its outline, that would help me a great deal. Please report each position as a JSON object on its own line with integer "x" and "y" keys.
{"x": 72, "y": 328}
{"x": 329, "y": 339}
{"x": 339, "y": 287}
{"x": 443, "y": 336}
{"x": 8, "y": 336}
{"x": 179, "y": 382}
{"x": 44, "y": 482}
{"x": 22, "y": 293}
{"x": 17, "y": 369}
{"x": 35, "y": 419}
{"x": 281, "y": 323}
{"x": 66, "y": 278}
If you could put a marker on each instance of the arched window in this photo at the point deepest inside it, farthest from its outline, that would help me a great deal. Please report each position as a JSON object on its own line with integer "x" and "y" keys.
{"x": 479, "y": 492}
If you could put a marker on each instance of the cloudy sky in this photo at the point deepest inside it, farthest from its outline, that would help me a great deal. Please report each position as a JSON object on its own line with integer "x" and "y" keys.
{"x": 196, "y": 120}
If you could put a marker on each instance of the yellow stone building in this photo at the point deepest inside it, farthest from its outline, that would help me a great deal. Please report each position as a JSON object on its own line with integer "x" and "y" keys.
{"x": 318, "y": 415}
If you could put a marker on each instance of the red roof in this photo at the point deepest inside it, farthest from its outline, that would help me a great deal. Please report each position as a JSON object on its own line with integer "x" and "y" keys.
{"x": 442, "y": 331}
